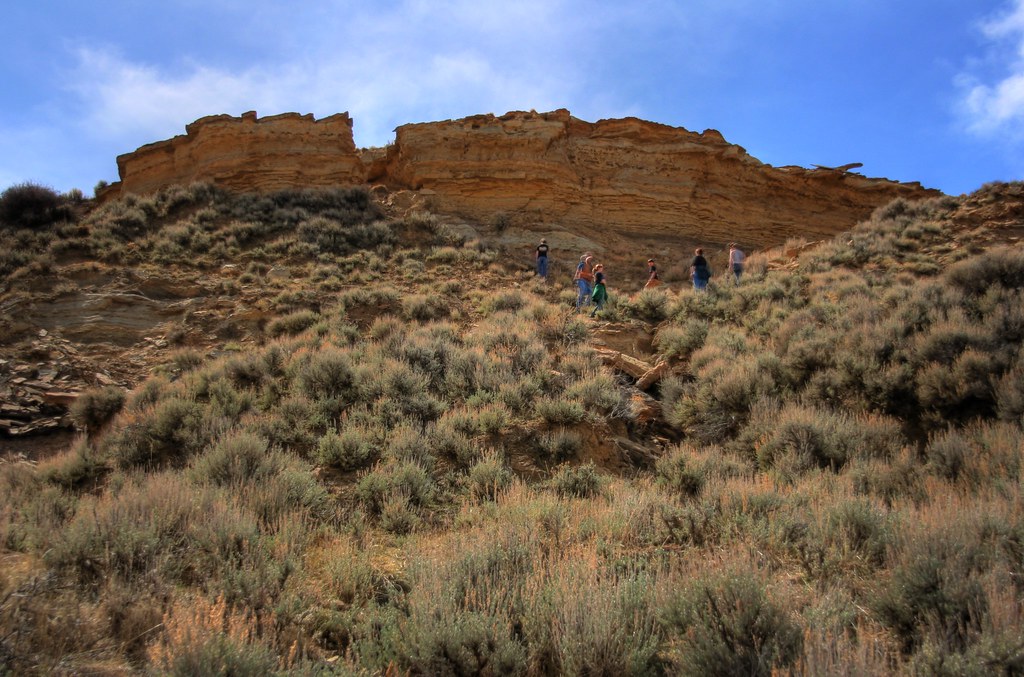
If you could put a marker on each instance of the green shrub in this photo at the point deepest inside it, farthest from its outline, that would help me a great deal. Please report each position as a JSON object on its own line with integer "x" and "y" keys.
{"x": 237, "y": 459}
{"x": 94, "y": 408}
{"x": 351, "y": 449}
{"x": 650, "y": 305}
{"x": 727, "y": 625}
{"x": 679, "y": 342}
{"x": 581, "y": 481}
{"x": 484, "y": 420}
{"x": 489, "y": 476}
{"x": 461, "y": 643}
{"x": 329, "y": 378}
{"x": 30, "y": 205}
{"x": 187, "y": 359}
{"x": 719, "y": 403}
{"x": 898, "y": 479}
{"x": 1002, "y": 267}
{"x": 292, "y": 323}
{"x": 230, "y": 656}
{"x": 409, "y": 443}
{"x": 160, "y": 523}
{"x": 292, "y": 424}
{"x": 424, "y": 307}
{"x": 675, "y": 471}
{"x": 859, "y": 528}
{"x": 560, "y": 446}
{"x": 398, "y": 516}
{"x": 445, "y": 440}
{"x": 566, "y": 329}
{"x": 934, "y": 587}
{"x": 173, "y": 430}
{"x": 560, "y": 411}
{"x": 948, "y": 453}
{"x": 806, "y": 437}
{"x": 407, "y": 479}
{"x": 74, "y": 468}
{"x": 959, "y": 391}
{"x": 596, "y": 392}
{"x": 498, "y": 301}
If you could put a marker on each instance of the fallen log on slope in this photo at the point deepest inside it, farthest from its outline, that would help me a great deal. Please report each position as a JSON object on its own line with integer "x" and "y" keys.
{"x": 646, "y": 374}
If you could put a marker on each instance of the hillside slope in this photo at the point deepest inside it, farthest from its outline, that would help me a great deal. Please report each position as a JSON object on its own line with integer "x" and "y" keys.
{"x": 316, "y": 436}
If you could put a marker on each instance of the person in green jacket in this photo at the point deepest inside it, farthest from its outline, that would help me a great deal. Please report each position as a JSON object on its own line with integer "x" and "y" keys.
{"x": 600, "y": 293}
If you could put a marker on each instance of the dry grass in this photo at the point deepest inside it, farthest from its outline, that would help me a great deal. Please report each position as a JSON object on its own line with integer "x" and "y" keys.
{"x": 400, "y": 482}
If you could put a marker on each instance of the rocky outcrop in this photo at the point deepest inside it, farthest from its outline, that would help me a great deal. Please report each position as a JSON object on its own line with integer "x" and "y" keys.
{"x": 248, "y": 154}
{"x": 538, "y": 169}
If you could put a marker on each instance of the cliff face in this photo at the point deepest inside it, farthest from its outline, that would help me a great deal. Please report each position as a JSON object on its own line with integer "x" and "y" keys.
{"x": 248, "y": 154}
{"x": 633, "y": 176}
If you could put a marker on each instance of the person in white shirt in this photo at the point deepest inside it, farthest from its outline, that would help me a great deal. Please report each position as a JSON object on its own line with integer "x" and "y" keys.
{"x": 736, "y": 259}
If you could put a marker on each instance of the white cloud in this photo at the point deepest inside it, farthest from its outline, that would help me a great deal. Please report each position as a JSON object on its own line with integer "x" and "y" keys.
{"x": 996, "y": 108}
{"x": 414, "y": 62}
{"x": 387, "y": 64}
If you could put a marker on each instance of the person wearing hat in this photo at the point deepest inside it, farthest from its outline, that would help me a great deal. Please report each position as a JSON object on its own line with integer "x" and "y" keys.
{"x": 652, "y": 275}
{"x": 542, "y": 258}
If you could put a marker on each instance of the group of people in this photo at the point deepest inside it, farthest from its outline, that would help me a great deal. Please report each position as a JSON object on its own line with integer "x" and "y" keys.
{"x": 590, "y": 284}
{"x": 590, "y": 277}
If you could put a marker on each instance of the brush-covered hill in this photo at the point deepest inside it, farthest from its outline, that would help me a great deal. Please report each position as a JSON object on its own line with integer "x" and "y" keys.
{"x": 313, "y": 432}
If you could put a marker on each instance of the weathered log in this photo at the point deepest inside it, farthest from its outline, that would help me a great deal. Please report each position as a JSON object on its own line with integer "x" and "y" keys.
{"x": 652, "y": 376}
{"x": 630, "y": 365}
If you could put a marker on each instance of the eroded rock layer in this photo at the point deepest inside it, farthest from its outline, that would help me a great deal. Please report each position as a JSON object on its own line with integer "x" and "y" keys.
{"x": 538, "y": 169}
{"x": 248, "y": 154}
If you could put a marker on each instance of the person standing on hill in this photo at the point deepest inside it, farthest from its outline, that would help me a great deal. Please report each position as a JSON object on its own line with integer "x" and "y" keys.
{"x": 736, "y": 259}
{"x": 600, "y": 294}
{"x": 652, "y": 275}
{"x": 699, "y": 270}
{"x": 542, "y": 258}
{"x": 584, "y": 278}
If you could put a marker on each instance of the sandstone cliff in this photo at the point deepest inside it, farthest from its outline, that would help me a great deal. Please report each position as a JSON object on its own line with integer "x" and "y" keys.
{"x": 539, "y": 169}
{"x": 248, "y": 154}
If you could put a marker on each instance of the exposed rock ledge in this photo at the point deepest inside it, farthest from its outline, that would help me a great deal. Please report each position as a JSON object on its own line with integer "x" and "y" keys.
{"x": 629, "y": 175}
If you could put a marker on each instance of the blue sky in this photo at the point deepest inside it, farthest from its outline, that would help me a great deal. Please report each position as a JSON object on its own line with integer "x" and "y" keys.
{"x": 917, "y": 90}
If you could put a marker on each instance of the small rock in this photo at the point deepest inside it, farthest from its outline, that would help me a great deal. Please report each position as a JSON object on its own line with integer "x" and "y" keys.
{"x": 278, "y": 273}
{"x": 62, "y": 398}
